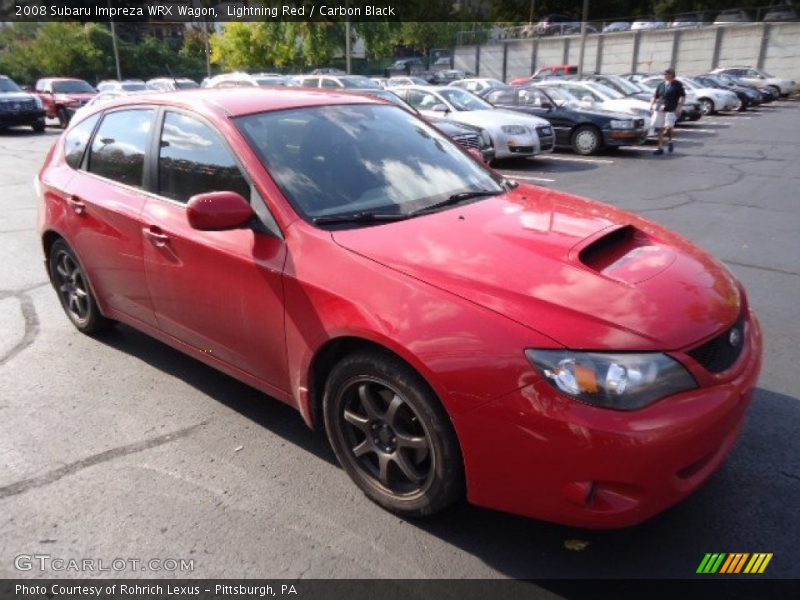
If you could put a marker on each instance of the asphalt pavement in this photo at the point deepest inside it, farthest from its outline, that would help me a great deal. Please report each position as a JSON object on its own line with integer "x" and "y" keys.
{"x": 120, "y": 447}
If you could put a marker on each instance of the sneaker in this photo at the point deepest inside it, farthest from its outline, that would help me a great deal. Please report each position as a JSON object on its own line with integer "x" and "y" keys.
{"x": 659, "y": 152}
{"x": 669, "y": 147}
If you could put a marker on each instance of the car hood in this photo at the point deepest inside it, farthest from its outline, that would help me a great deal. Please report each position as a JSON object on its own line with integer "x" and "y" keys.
{"x": 580, "y": 272}
{"x": 81, "y": 97}
{"x": 15, "y": 96}
{"x": 496, "y": 117}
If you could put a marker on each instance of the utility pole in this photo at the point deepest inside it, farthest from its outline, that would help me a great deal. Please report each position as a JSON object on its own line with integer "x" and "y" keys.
{"x": 347, "y": 48}
{"x": 584, "y": 18}
{"x": 208, "y": 49}
{"x": 116, "y": 49}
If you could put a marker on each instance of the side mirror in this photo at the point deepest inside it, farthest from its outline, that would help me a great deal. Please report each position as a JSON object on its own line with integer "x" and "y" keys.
{"x": 546, "y": 105}
{"x": 440, "y": 108}
{"x": 218, "y": 211}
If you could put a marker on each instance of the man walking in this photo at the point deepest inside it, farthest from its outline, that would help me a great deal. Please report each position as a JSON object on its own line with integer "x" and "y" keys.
{"x": 668, "y": 102}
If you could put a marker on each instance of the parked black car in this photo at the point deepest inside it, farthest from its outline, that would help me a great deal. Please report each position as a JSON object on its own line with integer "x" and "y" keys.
{"x": 18, "y": 107}
{"x": 767, "y": 94}
{"x": 584, "y": 131}
{"x": 468, "y": 136}
{"x": 691, "y": 111}
{"x": 748, "y": 96}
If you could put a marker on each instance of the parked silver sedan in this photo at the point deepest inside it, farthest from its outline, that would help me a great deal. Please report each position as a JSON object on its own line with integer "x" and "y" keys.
{"x": 512, "y": 134}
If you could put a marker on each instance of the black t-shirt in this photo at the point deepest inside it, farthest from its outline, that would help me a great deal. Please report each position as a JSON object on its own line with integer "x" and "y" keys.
{"x": 670, "y": 94}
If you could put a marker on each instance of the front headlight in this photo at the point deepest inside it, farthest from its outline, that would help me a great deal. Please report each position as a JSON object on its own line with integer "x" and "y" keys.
{"x": 620, "y": 381}
{"x": 514, "y": 129}
{"x": 621, "y": 124}
{"x": 641, "y": 112}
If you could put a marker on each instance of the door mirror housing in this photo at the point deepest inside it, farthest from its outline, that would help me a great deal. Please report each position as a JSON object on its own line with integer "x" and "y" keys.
{"x": 442, "y": 108}
{"x": 218, "y": 211}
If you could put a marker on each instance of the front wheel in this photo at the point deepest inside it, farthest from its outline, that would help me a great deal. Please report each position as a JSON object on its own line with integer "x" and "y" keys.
{"x": 73, "y": 289}
{"x": 63, "y": 117}
{"x": 586, "y": 140}
{"x": 707, "y": 106}
{"x": 776, "y": 91}
{"x": 391, "y": 435}
{"x": 38, "y": 125}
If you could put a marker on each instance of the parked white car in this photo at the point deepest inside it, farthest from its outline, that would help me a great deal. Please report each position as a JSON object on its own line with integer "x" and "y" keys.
{"x": 711, "y": 100}
{"x": 760, "y": 79}
{"x": 171, "y": 84}
{"x": 401, "y": 80}
{"x": 127, "y": 85}
{"x": 336, "y": 81}
{"x": 246, "y": 80}
{"x": 477, "y": 84}
{"x": 512, "y": 133}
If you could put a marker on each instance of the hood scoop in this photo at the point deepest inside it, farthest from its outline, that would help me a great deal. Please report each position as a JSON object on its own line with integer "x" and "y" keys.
{"x": 626, "y": 254}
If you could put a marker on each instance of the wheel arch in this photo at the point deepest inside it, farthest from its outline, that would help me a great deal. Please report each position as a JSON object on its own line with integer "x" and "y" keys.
{"x": 332, "y": 351}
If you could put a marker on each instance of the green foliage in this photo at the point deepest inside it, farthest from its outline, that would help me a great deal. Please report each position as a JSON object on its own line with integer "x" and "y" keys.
{"x": 29, "y": 51}
{"x": 423, "y": 36}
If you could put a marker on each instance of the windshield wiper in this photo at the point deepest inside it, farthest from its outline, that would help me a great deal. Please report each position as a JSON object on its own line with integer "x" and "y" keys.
{"x": 455, "y": 199}
{"x": 358, "y": 217}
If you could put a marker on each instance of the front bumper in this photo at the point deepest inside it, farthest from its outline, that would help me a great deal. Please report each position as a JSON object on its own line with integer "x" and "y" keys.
{"x": 21, "y": 118}
{"x": 625, "y": 137}
{"x": 540, "y": 454}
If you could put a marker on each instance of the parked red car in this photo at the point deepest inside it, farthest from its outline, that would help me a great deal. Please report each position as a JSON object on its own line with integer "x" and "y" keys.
{"x": 453, "y": 333}
{"x": 546, "y": 73}
{"x": 59, "y": 94}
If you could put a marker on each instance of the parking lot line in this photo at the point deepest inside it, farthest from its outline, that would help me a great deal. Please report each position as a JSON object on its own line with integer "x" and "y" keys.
{"x": 526, "y": 177}
{"x": 697, "y": 130}
{"x": 600, "y": 161}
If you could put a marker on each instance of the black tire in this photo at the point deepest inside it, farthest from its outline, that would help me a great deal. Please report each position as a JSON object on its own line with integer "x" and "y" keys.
{"x": 707, "y": 105}
{"x": 73, "y": 289}
{"x": 38, "y": 125}
{"x": 586, "y": 140}
{"x": 63, "y": 117}
{"x": 391, "y": 435}
{"x": 775, "y": 90}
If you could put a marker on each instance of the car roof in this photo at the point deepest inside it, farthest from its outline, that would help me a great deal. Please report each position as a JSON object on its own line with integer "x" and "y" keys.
{"x": 236, "y": 102}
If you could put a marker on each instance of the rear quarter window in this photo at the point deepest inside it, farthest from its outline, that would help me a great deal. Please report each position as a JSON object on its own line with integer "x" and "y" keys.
{"x": 76, "y": 140}
{"x": 118, "y": 148}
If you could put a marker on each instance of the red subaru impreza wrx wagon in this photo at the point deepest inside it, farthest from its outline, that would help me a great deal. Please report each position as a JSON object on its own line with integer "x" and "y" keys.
{"x": 455, "y": 334}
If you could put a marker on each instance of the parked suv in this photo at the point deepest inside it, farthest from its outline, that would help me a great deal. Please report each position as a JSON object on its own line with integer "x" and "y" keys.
{"x": 18, "y": 107}
{"x": 59, "y": 94}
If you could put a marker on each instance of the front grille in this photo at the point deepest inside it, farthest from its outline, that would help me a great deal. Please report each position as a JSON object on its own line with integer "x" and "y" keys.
{"x": 17, "y": 105}
{"x": 468, "y": 141}
{"x": 721, "y": 353}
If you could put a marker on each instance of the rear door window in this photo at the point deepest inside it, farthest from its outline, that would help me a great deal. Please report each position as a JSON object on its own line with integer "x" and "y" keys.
{"x": 193, "y": 159}
{"x": 119, "y": 145}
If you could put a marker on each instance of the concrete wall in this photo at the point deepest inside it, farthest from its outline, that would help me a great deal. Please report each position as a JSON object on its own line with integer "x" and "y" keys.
{"x": 774, "y": 47}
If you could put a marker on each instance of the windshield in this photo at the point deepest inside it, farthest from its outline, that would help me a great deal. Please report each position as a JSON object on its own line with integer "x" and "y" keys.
{"x": 73, "y": 87}
{"x": 562, "y": 93}
{"x": 690, "y": 83}
{"x": 358, "y": 82}
{"x": 186, "y": 85}
{"x": 626, "y": 86}
{"x": 559, "y": 97}
{"x": 7, "y": 85}
{"x": 132, "y": 86}
{"x": 338, "y": 160}
{"x": 270, "y": 81}
{"x": 604, "y": 90}
{"x": 462, "y": 100}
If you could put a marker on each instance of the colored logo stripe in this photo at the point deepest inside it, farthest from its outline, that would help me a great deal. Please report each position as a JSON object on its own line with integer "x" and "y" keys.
{"x": 734, "y": 562}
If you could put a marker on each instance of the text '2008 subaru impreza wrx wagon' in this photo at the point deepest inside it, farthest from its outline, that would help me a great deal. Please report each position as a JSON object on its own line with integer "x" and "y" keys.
{"x": 455, "y": 334}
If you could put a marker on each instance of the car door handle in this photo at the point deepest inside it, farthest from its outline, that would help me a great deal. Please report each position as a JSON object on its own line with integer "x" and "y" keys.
{"x": 78, "y": 205}
{"x": 156, "y": 236}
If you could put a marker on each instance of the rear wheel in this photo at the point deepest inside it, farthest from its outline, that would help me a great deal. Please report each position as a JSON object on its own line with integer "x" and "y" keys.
{"x": 586, "y": 140}
{"x": 73, "y": 289}
{"x": 391, "y": 435}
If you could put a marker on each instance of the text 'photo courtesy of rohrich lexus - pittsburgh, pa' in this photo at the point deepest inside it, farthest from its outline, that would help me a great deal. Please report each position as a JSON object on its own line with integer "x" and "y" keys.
{"x": 457, "y": 335}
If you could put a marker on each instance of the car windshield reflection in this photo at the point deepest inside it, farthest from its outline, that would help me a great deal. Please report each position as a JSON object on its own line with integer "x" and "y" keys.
{"x": 340, "y": 160}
